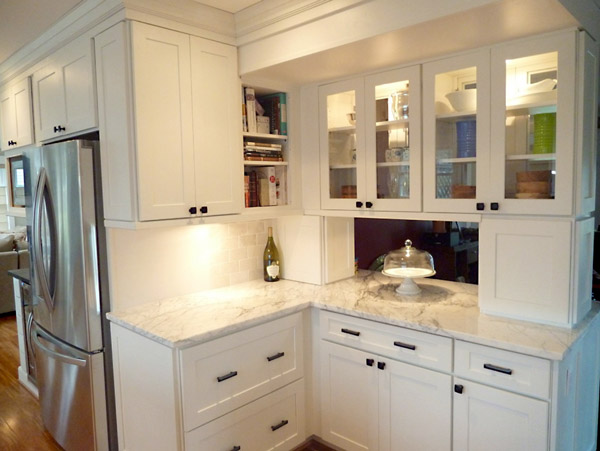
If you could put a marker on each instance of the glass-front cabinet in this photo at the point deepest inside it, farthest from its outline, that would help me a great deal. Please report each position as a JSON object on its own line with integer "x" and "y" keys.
{"x": 370, "y": 142}
{"x": 533, "y": 119}
{"x": 499, "y": 127}
{"x": 456, "y": 127}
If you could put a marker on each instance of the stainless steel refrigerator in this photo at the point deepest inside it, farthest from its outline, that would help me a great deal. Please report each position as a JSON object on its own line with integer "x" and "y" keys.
{"x": 68, "y": 267}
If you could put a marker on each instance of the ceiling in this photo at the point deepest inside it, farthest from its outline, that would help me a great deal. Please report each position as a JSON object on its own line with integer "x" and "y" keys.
{"x": 21, "y": 21}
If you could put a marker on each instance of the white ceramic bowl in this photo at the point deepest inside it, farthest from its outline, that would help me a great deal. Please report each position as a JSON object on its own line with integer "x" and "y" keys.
{"x": 463, "y": 100}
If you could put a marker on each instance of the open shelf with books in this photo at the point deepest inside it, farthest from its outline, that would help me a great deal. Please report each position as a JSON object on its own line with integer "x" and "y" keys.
{"x": 265, "y": 152}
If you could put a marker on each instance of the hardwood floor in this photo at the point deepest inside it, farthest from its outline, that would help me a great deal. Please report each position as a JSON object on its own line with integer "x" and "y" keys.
{"x": 21, "y": 425}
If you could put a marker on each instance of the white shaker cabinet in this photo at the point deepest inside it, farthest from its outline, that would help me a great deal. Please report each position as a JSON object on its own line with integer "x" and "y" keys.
{"x": 15, "y": 115}
{"x": 169, "y": 112}
{"x": 64, "y": 99}
{"x": 370, "y": 401}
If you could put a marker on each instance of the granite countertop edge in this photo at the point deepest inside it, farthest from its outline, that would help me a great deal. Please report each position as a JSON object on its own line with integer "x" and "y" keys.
{"x": 446, "y": 308}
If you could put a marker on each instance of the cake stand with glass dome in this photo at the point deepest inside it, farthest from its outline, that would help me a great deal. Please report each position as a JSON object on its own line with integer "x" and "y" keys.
{"x": 408, "y": 263}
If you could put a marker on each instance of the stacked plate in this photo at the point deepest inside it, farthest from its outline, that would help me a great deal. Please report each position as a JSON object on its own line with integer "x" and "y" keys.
{"x": 466, "y": 138}
{"x": 533, "y": 185}
{"x": 544, "y": 132}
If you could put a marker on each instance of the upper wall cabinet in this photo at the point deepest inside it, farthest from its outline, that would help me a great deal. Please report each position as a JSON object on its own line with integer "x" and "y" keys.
{"x": 370, "y": 135}
{"x": 169, "y": 123}
{"x": 15, "y": 115}
{"x": 64, "y": 99}
{"x": 500, "y": 128}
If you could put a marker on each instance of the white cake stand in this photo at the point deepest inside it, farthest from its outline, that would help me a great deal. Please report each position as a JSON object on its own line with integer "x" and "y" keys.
{"x": 408, "y": 285}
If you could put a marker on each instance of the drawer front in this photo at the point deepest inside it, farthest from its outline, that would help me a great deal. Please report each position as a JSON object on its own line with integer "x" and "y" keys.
{"x": 275, "y": 421}
{"x": 226, "y": 373}
{"x": 406, "y": 345}
{"x": 509, "y": 370}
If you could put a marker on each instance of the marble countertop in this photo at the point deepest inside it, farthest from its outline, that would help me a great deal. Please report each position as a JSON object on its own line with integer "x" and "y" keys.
{"x": 443, "y": 308}
{"x": 21, "y": 274}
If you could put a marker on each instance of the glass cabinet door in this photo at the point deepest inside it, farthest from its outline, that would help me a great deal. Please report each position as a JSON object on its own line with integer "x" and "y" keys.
{"x": 456, "y": 124}
{"x": 393, "y": 140}
{"x": 342, "y": 145}
{"x": 532, "y": 123}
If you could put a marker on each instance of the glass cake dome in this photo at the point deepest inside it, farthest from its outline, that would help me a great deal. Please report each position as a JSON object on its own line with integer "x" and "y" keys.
{"x": 408, "y": 263}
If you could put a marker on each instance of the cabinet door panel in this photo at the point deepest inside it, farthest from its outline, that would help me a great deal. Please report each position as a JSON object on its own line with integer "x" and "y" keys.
{"x": 7, "y": 118}
{"x": 23, "y": 123}
{"x": 48, "y": 100}
{"x": 416, "y": 408}
{"x": 456, "y": 137}
{"x": 78, "y": 82}
{"x": 489, "y": 419}
{"x": 217, "y": 137}
{"x": 532, "y": 138}
{"x": 163, "y": 122}
{"x": 349, "y": 398}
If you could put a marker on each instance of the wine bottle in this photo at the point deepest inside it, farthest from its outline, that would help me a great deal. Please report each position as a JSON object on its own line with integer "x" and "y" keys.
{"x": 271, "y": 259}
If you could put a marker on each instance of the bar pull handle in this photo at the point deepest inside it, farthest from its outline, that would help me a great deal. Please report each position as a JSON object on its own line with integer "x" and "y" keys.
{"x": 350, "y": 332}
{"x": 405, "y": 345}
{"x": 498, "y": 369}
{"x": 280, "y": 425}
{"x": 227, "y": 376}
{"x": 275, "y": 356}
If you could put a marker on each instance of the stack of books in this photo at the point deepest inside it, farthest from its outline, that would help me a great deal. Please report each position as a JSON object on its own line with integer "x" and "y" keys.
{"x": 265, "y": 186}
{"x": 272, "y": 106}
{"x": 261, "y": 151}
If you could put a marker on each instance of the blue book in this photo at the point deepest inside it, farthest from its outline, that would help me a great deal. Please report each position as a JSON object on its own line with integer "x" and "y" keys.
{"x": 275, "y": 109}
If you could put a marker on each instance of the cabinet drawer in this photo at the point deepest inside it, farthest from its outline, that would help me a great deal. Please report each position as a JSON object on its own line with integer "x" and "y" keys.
{"x": 226, "y": 373}
{"x": 406, "y": 345}
{"x": 275, "y": 421}
{"x": 510, "y": 370}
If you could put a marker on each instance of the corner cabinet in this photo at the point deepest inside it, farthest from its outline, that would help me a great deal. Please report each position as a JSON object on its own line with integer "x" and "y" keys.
{"x": 500, "y": 128}
{"x": 64, "y": 97}
{"x": 15, "y": 115}
{"x": 241, "y": 391}
{"x": 370, "y": 141}
{"x": 169, "y": 112}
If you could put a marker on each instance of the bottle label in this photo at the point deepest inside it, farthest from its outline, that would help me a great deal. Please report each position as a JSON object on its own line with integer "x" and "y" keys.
{"x": 273, "y": 270}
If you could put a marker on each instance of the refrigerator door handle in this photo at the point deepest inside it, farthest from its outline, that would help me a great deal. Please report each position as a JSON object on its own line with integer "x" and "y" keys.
{"x": 53, "y": 354}
{"x": 40, "y": 273}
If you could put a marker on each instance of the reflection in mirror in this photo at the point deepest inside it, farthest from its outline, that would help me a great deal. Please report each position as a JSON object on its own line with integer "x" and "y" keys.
{"x": 17, "y": 181}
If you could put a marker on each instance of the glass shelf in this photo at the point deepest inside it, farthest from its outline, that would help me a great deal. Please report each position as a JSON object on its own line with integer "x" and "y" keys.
{"x": 533, "y": 157}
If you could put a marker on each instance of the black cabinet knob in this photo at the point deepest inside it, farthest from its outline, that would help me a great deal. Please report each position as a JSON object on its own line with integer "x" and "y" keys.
{"x": 480, "y": 206}
{"x": 59, "y": 128}
{"x": 359, "y": 204}
{"x": 494, "y": 206}
{"x": 458, "y": 388}
{"x": 236, "y": 448}
{"x": 369, "y": 204}
{"x": 370, "y": 362}
{"x": 193, "y": 210}
{"x": 12, "y": 143}
{"x": 204, "y": 209}
{"x": 381, "y": 365}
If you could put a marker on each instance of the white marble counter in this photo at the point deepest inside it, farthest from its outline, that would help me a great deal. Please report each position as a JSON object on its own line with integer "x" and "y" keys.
{"x": 444, "y": 308}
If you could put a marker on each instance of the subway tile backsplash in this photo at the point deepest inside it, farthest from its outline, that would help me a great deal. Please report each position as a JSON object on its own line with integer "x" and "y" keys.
{"x": 167, "y": 262}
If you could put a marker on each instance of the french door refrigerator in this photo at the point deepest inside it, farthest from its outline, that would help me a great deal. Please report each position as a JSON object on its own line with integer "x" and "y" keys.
{"x": 68, "y": 267}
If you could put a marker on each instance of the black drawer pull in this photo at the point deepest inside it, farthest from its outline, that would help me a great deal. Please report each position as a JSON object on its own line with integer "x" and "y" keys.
{"x": 351, "y": 332}
{"x": 370, "y": 362}
{"x": 381, "y": 365}
{"x": 458, "y": 388}
{"x": 275, "y": 356}
{"x": 405, "y": 345}
{"x": 280, "y": 425}
{"x": 236, "y": 448}
{"x": 499, "y": 369}
{"x": 227, "y": 376}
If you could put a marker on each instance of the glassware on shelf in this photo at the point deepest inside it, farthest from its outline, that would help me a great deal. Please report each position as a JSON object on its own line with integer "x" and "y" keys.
{"x": 398, "y": 105}
{"x": 466, "y": 138}
{"x": 544, "y": 133}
